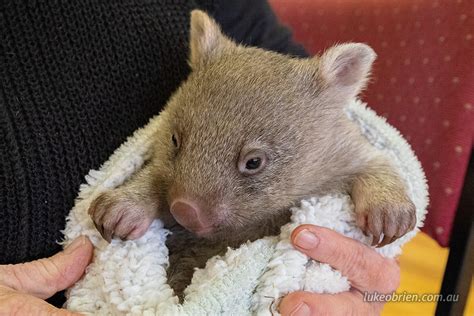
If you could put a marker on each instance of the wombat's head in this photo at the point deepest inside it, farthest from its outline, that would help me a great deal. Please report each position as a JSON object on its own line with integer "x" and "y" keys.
{"x": 249, "y": 129}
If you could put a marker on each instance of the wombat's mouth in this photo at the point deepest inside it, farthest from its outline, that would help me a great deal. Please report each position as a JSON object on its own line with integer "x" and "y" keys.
{"x": 198, "y": 230}
{"x": 201, "y": 232}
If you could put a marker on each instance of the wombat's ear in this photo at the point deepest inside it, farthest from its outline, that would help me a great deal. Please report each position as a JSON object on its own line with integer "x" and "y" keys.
{"x": 346, "y": 67}
{"x": 206, "y": 39}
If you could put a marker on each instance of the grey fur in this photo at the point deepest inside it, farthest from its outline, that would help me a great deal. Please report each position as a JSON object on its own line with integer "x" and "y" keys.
{"x": 239, "y": 97}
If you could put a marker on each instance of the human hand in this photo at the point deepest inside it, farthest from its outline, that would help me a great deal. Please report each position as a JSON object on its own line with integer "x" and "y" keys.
{"x": 367, "y": 271}
{"x": 23, "y": 287}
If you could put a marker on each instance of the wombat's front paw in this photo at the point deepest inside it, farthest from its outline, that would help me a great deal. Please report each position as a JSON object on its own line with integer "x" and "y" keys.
{"x": 388, "y": 218}
{"x": 114, "y": 215}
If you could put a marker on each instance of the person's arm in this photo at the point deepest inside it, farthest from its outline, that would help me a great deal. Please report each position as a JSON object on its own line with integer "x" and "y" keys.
{"x": 253, "y": 23}
{"x": 366, "y": 270}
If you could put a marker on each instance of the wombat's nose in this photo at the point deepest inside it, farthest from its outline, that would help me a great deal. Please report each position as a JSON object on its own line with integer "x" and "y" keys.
{"x": 189, "y": 215}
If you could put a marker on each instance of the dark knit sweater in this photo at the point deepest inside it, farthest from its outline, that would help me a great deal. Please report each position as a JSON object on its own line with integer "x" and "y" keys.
{"x": 78, "y": 77}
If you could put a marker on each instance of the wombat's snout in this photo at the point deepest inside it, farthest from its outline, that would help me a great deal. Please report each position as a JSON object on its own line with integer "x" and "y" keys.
{"x": 191, "y": 216}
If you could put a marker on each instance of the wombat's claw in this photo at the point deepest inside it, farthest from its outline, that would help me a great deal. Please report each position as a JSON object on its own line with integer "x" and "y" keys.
{"x": 113, "y": 216}
{"x": 388, "y": 222}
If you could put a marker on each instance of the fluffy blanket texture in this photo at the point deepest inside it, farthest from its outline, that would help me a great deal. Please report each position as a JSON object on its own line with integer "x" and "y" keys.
{"x": 129, "y": 277}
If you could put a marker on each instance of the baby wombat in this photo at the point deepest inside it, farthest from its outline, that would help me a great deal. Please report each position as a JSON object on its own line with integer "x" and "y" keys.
{"x": 246, "y": 136}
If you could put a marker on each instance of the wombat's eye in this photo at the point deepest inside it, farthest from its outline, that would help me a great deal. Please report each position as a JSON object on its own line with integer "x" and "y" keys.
{"x": 253, "y": 162}
{"x": 174, "y": 140}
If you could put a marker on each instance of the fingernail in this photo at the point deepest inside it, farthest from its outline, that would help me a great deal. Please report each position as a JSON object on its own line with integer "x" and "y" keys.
{"x": 77, "y": 243}
{"x": 301, "y": 310}
{"x": 306, "y": 240}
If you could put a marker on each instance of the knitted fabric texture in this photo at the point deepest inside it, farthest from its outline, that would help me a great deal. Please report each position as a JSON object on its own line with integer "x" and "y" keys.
{"x": 77, "y": 78}
{"x": 129, "y": 277}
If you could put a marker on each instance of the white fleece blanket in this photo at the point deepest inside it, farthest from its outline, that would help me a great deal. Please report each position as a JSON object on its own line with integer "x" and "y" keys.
{"x": 129, "y": 277}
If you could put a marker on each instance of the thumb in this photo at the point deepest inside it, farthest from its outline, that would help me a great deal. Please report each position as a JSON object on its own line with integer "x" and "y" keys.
{"x": 42, "y": 278}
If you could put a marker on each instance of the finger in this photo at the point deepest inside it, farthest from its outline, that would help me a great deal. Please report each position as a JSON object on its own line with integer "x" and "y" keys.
{"x": 42, "y": 278}
{"x": 14, "y": 303}
{"x": 366, "y": 269}
{"x": 345, "y": 303}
